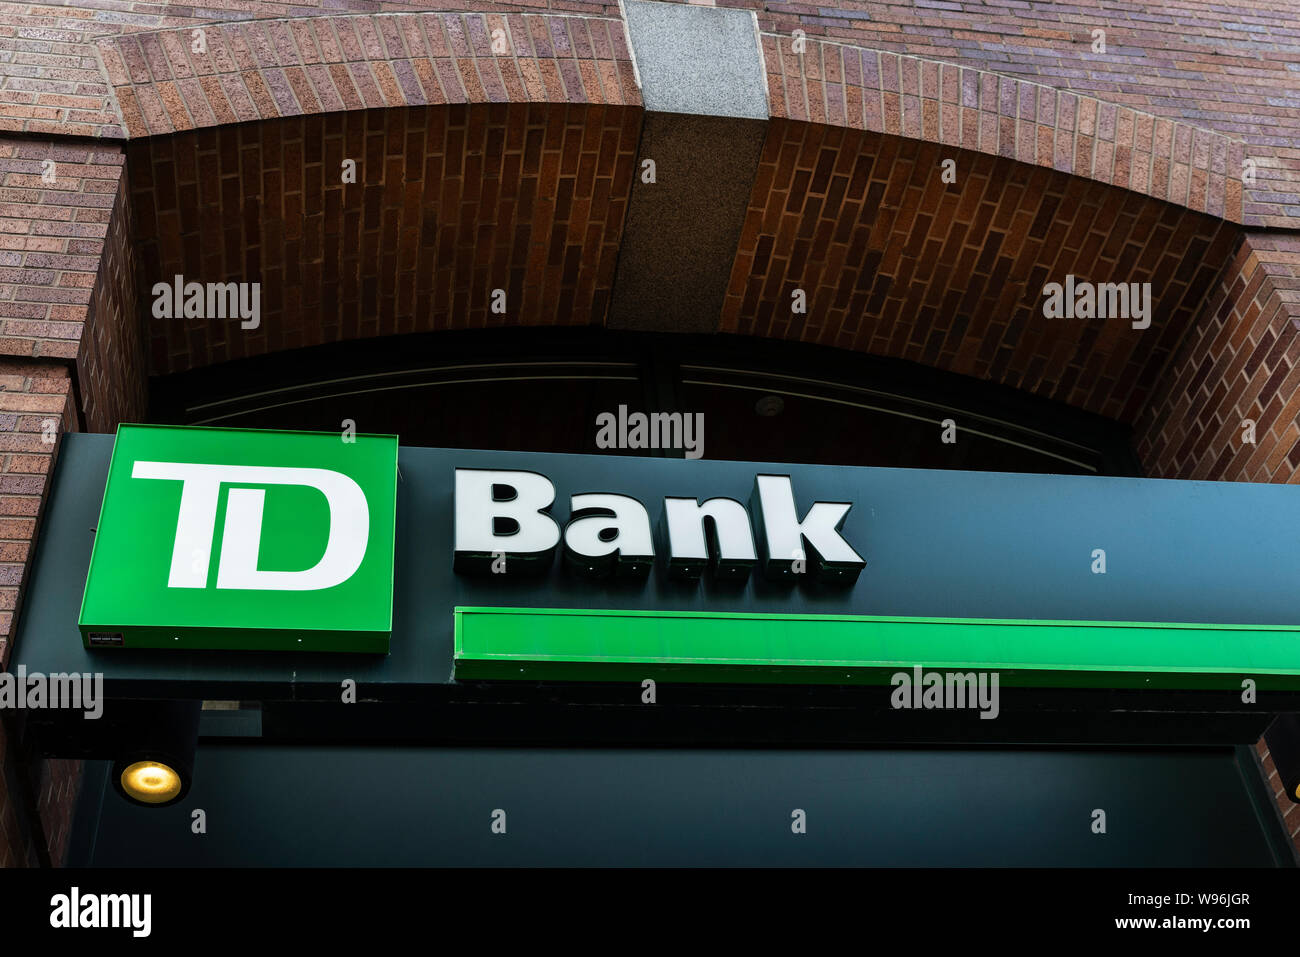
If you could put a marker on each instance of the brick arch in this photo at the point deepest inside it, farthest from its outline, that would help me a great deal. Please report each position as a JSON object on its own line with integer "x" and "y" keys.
{"x": 233, "y": 167}
{"x": 449, "y": 203}
{"x": 893, "y": 262}
{"x": 973, "y": 109}
{"x": 275, "y": 69}
{"x": 320, "y": 63}
{"x": 454, "y": 201}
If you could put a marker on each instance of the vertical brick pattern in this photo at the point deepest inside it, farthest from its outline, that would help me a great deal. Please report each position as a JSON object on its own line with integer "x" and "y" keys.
{"x": 57, "y": 787}
{"x": 897, "y": 263}
{"x": 449, "y": 204}
{"x": 256, "y": 70}
{"x": 67, "y": 292}
{"x": 1240, "y": 362}
{"x": 112, "y": 371}
{"x": 976, "y": 109}
{"x": 54, "y": 80}
{"x": 1230, "y": 68}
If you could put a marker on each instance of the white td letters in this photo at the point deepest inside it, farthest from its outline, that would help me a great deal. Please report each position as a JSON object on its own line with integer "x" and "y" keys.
{"x": 349, "y": 528}
{"x": 505, "y": 513}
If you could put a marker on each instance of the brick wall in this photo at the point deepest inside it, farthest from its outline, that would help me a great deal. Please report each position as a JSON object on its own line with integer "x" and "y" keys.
{"x": 1289, "y": 810}
{"x": 1239, "y": 366}
{"x": 112, "y": 360}
{"x": 51, "y": 239}
{"x": 448, "y": 204}
{"x": 256, "y": 71}
{"x": 36, "y": 407}
{"x": 977, "y": 109}
{"x": 15, "y": 838}
{"x": 896, "y": 263}
{"x": 1226, "y": 67}
{"x": 67, "y": 304}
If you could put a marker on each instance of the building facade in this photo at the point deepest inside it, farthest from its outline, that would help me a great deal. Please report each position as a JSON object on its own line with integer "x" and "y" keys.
{"x": 531, "y": 213}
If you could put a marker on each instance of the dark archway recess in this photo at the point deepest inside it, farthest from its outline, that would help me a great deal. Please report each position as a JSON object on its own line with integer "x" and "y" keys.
{"x": 449, "y": 204}
{"x": 532, "y": 389}
{"x": 532, "y": 200}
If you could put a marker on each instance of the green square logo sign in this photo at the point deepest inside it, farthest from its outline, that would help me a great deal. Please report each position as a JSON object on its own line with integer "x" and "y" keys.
{"x": 244, "y": 539}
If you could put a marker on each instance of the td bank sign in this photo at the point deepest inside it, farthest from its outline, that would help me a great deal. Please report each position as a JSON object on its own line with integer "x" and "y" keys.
{"x": 219, "y": 538}
{"x": 243, "y": 539}
{"x": 285, "y": 541}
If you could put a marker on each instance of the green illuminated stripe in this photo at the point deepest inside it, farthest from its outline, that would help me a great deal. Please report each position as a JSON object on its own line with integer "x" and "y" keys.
{"x": 604, "y": 645}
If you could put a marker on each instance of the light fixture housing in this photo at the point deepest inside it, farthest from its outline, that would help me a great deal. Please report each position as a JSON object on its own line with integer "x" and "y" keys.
{"x": 152, "y": 782}
{"x": 156, "y": 765}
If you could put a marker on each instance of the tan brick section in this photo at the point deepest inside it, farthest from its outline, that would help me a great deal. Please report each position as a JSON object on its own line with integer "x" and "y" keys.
{"x": 261, "y": 70}
{"x": 51, "y": 239}
{"x": 35, "y": 408}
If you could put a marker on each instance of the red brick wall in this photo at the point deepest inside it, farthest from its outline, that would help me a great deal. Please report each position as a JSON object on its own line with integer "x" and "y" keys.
{"x": 980, "y": 110}
{"x": 35, "y": 406}
{"x": 448, "y": 204}
{"x": 896, "y": 263}
{"x": 58, "y": 785}
{"x": 1228, "y": 66}
{"x": 112, "y": 363}
{"x": 1289, "y": 810}
{"x": 256, "y": 71}
{"x": 1240, "y": 362}
{"x": 15, "y": 838}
